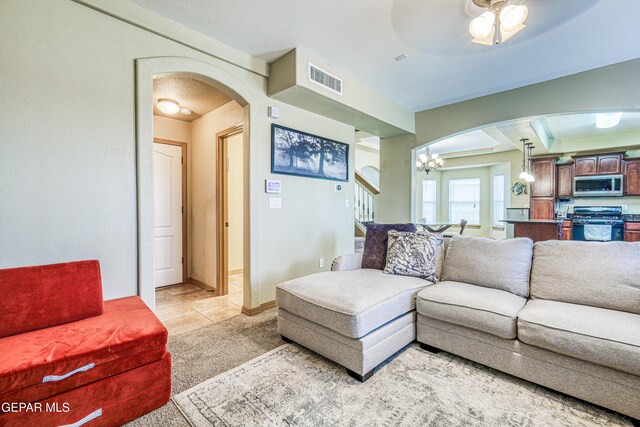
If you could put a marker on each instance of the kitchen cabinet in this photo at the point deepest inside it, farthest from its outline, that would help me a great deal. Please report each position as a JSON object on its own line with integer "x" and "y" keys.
{"x": 564, "y": 186}
{"x": 543, "y": 189}
{"x": 601, "y": 164}
{"x": 567, "y": 230}
{"x": 543, "y": 207}
{"x": 544, "y": 172}
{"x": 586, "y": 165}
{"x": 632, "y": 232}
{"x": 632, "y": 177}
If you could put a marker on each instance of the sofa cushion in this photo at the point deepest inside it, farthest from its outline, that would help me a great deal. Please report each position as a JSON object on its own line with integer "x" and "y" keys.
{"x": 484, "y": 309}
{"x": 498, "y": 264}
{"x": 605, "y": 275}
{"x": 352, "y": 303}
{"x": 48, "y": 295}
{"x": 126, "y": 329}
{"x": 605, "y": 337}
{"x": 412, "y": 254}
{"x": 375, "y": 243}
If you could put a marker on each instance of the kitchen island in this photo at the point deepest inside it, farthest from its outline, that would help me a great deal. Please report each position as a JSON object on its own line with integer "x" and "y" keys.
{"x": 537, "y": 229}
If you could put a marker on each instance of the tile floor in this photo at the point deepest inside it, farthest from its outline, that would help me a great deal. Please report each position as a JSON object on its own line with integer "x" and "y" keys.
{"x": 184, "y": 308}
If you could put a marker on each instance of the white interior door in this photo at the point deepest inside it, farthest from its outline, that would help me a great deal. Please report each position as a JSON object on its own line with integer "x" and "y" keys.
{"x": 167, "y": 195}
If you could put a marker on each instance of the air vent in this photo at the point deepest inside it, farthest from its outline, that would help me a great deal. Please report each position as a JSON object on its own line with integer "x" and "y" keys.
{"x": 324, "y": 79}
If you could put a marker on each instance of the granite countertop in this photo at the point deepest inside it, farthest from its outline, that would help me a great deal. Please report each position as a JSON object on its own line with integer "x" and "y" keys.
{"x": 533, "y": 221}
{"x": 631, "y": 217}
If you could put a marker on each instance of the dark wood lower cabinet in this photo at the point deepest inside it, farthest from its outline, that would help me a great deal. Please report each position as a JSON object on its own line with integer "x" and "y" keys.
{"x": 567, "y": 230}
{"x": 537, "y": 231}
{"x": 632, "y": 232}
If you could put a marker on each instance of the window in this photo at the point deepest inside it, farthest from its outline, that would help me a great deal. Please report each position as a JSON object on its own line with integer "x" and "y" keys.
{"x": 498, "y": 200}
{"x": 429, "y": 202}
{"x": 464, "y": 200}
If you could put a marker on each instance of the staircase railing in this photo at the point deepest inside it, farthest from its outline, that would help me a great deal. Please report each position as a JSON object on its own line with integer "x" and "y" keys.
{"x": 365, "y": 208}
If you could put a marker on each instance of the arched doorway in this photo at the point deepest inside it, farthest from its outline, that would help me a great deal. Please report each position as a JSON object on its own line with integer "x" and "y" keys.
{"x": 146, "y": 70}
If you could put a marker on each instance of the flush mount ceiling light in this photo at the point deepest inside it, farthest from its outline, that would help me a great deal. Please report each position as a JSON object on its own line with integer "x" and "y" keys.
{"x": 499, "y": 24}
{"x": 608, "y": 120}
{"x": 168, "y": 106}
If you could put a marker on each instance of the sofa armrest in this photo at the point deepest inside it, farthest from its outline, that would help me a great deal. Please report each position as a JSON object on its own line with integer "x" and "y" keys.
{"x": 347, "y": 262}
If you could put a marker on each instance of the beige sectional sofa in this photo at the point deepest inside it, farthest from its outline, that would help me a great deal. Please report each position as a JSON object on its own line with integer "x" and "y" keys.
{"x": 562, "y": 314}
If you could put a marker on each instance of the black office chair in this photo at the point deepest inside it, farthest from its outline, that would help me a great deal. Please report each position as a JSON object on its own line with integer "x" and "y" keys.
{"x": 463, "y": 224}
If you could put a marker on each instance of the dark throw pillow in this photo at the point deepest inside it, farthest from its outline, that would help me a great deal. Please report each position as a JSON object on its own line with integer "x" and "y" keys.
{"x": 375, "y": 243}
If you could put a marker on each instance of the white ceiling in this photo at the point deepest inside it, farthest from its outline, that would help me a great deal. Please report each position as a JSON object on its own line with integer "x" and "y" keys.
{"x": 361, "y": 38}
{"x": 578, "y": 125}
{"x": 190, "y": 93}
{"x": 472, "y": 141}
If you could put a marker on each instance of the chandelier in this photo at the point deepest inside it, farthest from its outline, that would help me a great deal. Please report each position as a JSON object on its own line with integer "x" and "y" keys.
{"x": 428, "y": 162}
{"x": 526, "y": 167}
{"x": 499, "y": 24}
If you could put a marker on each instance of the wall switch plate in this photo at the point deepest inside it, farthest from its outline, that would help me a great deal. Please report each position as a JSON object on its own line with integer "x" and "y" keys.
{"x": 321, "y": 262}
{"x": 346, "y": 203}
{"x": 275, "y": 202}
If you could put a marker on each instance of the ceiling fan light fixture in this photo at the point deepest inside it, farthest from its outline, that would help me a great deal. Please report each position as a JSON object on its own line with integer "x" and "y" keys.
{"x": 168, "y": 106}
{"x": 482, "y": 26}
{"x": 512, "y": 17}
{"x": 499, "y": 24}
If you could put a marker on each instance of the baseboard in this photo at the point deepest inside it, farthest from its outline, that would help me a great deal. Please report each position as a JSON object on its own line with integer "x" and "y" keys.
{"x": 256, "y": 310}
{"x": 203, "y": 285}
{"x": 237, "y": 271}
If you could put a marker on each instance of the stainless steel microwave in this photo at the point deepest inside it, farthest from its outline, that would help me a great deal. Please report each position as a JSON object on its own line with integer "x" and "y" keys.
{"x": 598, "y": 186}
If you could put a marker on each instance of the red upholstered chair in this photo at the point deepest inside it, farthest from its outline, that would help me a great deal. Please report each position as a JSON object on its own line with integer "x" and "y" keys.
{"x": 68, "y": 357}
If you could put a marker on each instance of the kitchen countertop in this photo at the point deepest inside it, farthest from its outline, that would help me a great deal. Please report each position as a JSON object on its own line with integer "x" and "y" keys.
{"x": 533, "y": 221}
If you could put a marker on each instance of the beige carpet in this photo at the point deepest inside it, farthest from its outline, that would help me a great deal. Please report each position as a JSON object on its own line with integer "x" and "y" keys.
{"x": 209, "y": 351}
{"x": 293, "y": 386}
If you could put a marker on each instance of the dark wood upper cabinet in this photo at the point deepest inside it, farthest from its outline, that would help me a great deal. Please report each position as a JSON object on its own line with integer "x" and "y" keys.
{"x": 586, "y": 165}
{"x": 632, "y": 178}
{"x": 602, "y": 164}
{"x": 544, "y": 172}
{"x": 564, "y": 188}
{"x": 610, "y": 164}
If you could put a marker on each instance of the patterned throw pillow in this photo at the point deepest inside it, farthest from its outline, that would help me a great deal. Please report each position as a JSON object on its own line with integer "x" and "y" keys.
{"x": 412, "y": 254}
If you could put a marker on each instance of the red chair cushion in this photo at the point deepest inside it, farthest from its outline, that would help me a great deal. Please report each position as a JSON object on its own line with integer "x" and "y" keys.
{"x": 114, "y": 401}
{"x": 39, "y": 297}
{"x": 126, "y": 335}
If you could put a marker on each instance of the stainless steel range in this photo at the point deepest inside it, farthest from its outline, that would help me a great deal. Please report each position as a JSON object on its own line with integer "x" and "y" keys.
{"x": 598, "y": 223}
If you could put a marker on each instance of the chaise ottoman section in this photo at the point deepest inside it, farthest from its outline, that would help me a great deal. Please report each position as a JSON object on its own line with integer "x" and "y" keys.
{"x": 353, "y": 302}
{"x": 357, "y": 318}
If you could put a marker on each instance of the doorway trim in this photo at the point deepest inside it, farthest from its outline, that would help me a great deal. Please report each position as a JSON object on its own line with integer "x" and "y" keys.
{"x": 185, "y": 236}
{"x": 222, "y": 209}
{"x": 245, "y": 93}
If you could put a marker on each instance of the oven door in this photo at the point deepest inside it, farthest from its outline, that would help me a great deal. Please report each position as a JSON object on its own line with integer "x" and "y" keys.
{"x": 616, "y": 230}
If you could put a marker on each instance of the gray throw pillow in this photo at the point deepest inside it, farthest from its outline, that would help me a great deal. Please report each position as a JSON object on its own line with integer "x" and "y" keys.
{"x": 412, "y": 254}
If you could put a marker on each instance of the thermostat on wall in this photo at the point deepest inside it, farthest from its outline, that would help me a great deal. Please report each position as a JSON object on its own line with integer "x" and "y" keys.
{"x": 273, "y": 112}
{"x": 272, "y": 186}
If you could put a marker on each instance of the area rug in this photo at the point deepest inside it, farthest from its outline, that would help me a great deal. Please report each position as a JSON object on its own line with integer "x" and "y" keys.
{"x": 293, "y": 386}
